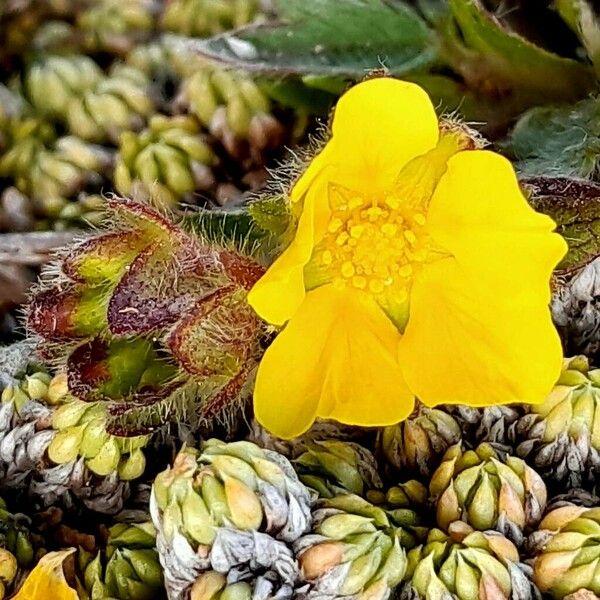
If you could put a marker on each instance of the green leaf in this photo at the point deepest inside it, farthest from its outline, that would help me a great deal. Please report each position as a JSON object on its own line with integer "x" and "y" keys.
{"x": 495, "y": 59}
{"x": 321, "y": 37}
{"x": 558, "y": 141}
{"x": 271, "y": 214}
{"x": 580, "y": 17}
{"x": 574, "y": 204}
{"x": 223, "y": 225}
{"x": 293, "y": 92}
{"x": 235, "y": 227}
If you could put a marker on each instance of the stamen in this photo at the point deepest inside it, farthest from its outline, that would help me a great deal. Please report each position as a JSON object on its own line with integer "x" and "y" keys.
{"x": 376, "y": 247}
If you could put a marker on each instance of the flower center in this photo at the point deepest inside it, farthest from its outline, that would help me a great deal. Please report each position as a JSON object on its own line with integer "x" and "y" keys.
{"x": 372, "y": 244}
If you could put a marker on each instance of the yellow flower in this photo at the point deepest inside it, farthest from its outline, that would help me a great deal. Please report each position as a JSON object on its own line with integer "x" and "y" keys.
{"x": 417, "y": 269}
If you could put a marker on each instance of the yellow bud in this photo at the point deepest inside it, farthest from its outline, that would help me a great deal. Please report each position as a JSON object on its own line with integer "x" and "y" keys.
{"x": 65, "y": 445}
{"x": 244, "y": 505}
{"x": 69, "y": 414}
{"x": 133, "y": 466}
{"x": 107, "y": 459}
{"x": 207, "y": 586}
{"x": 57, "y": 389}
{"x": 319, "y": 559}
{"x": 8, "y": 566}
{"x": 36, "y": 385}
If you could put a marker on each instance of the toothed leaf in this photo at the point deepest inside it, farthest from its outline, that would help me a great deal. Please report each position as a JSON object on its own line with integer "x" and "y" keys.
{"x": 347, "y": 37}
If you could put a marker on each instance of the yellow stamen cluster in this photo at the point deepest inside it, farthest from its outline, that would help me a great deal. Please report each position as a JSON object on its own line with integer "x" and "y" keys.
{"x": 372, "y": 244}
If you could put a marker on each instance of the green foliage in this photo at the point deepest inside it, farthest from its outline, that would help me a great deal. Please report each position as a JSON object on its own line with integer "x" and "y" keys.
{"x": 489, "y": 55}
{"x": 465, "y": 56}
{"x": 344, "y": 38}
{"x": 558, "y": 141}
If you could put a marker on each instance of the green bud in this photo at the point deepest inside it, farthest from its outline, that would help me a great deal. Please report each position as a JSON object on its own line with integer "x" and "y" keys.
{"x": 94, "y": 438}
{"x": 197, "y": 519}
{"x": 64, "y": 447}
{"x": 69, "y": 414}
{"x": 133, "y": 466}
{"x": 107, "y": 459}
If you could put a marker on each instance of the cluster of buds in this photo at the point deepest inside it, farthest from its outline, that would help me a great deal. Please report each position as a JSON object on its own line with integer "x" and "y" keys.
{"x": 233, "y": 109}
{"x": 321, "y": 430}
{"x": 156, "y": 321}
{"x": 127, "y": 569}
{"x": 567, "y": 562}
{"x": 53, "y": 81}
{"x": 417, "y": 443}
{"x": 233, "y": 509}
{"x": 215, "y": 586}
{"x": 561, "y": 436}
{"x": 409, "y": 494}
{"x": 332, "y": 467}
{"x": 167, "y": 162}
{"x": 11, "y": 107}
{"x": 203, "y": 18}
{"x": 117, "y": 26}
{"x": 467, "y": 565}
{"x": 116, "y": 103}
{"x": 52, "y": 171}
{"x": 488, "y": 491}
{"x": 39, "y": 386}
{"x": 81, "y": 428}
{"x": 26, "y": 434}
{"x": 354, "y": 550}
{"x": 491, "y": 424}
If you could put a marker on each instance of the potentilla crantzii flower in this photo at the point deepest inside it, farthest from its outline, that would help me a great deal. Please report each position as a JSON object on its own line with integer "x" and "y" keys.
{"x": 417, "y": 269}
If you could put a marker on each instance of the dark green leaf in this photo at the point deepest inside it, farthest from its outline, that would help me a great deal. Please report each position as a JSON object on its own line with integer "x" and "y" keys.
{"x": 558, "y": 141}
{"x": 496, "y": 60}
{"x": 574, "y": 204}
{"x": 321, "y": 37}
{"x": 293, "y": 92}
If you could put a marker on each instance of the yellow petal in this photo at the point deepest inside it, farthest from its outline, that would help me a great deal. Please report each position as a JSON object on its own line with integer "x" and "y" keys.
{"x": 47, "y": 580}
{"x": 278, "y": 294}
{"x": 379, "y": 126}
{"x": 463, "y": 346}
{"x": 336, "y": 358}
{"x": 479, "y": 330}
{"x": 480, "y": 216}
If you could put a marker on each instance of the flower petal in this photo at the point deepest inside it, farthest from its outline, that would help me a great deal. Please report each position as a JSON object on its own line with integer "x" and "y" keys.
{"x": 480, "y": 330}
{"x": 462, "y": 346}
{"x": 378, "y": 126}
{"x": 280, "y": 291}
{"x": 480, "y": 216}
{"x": 336, "y": 358}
